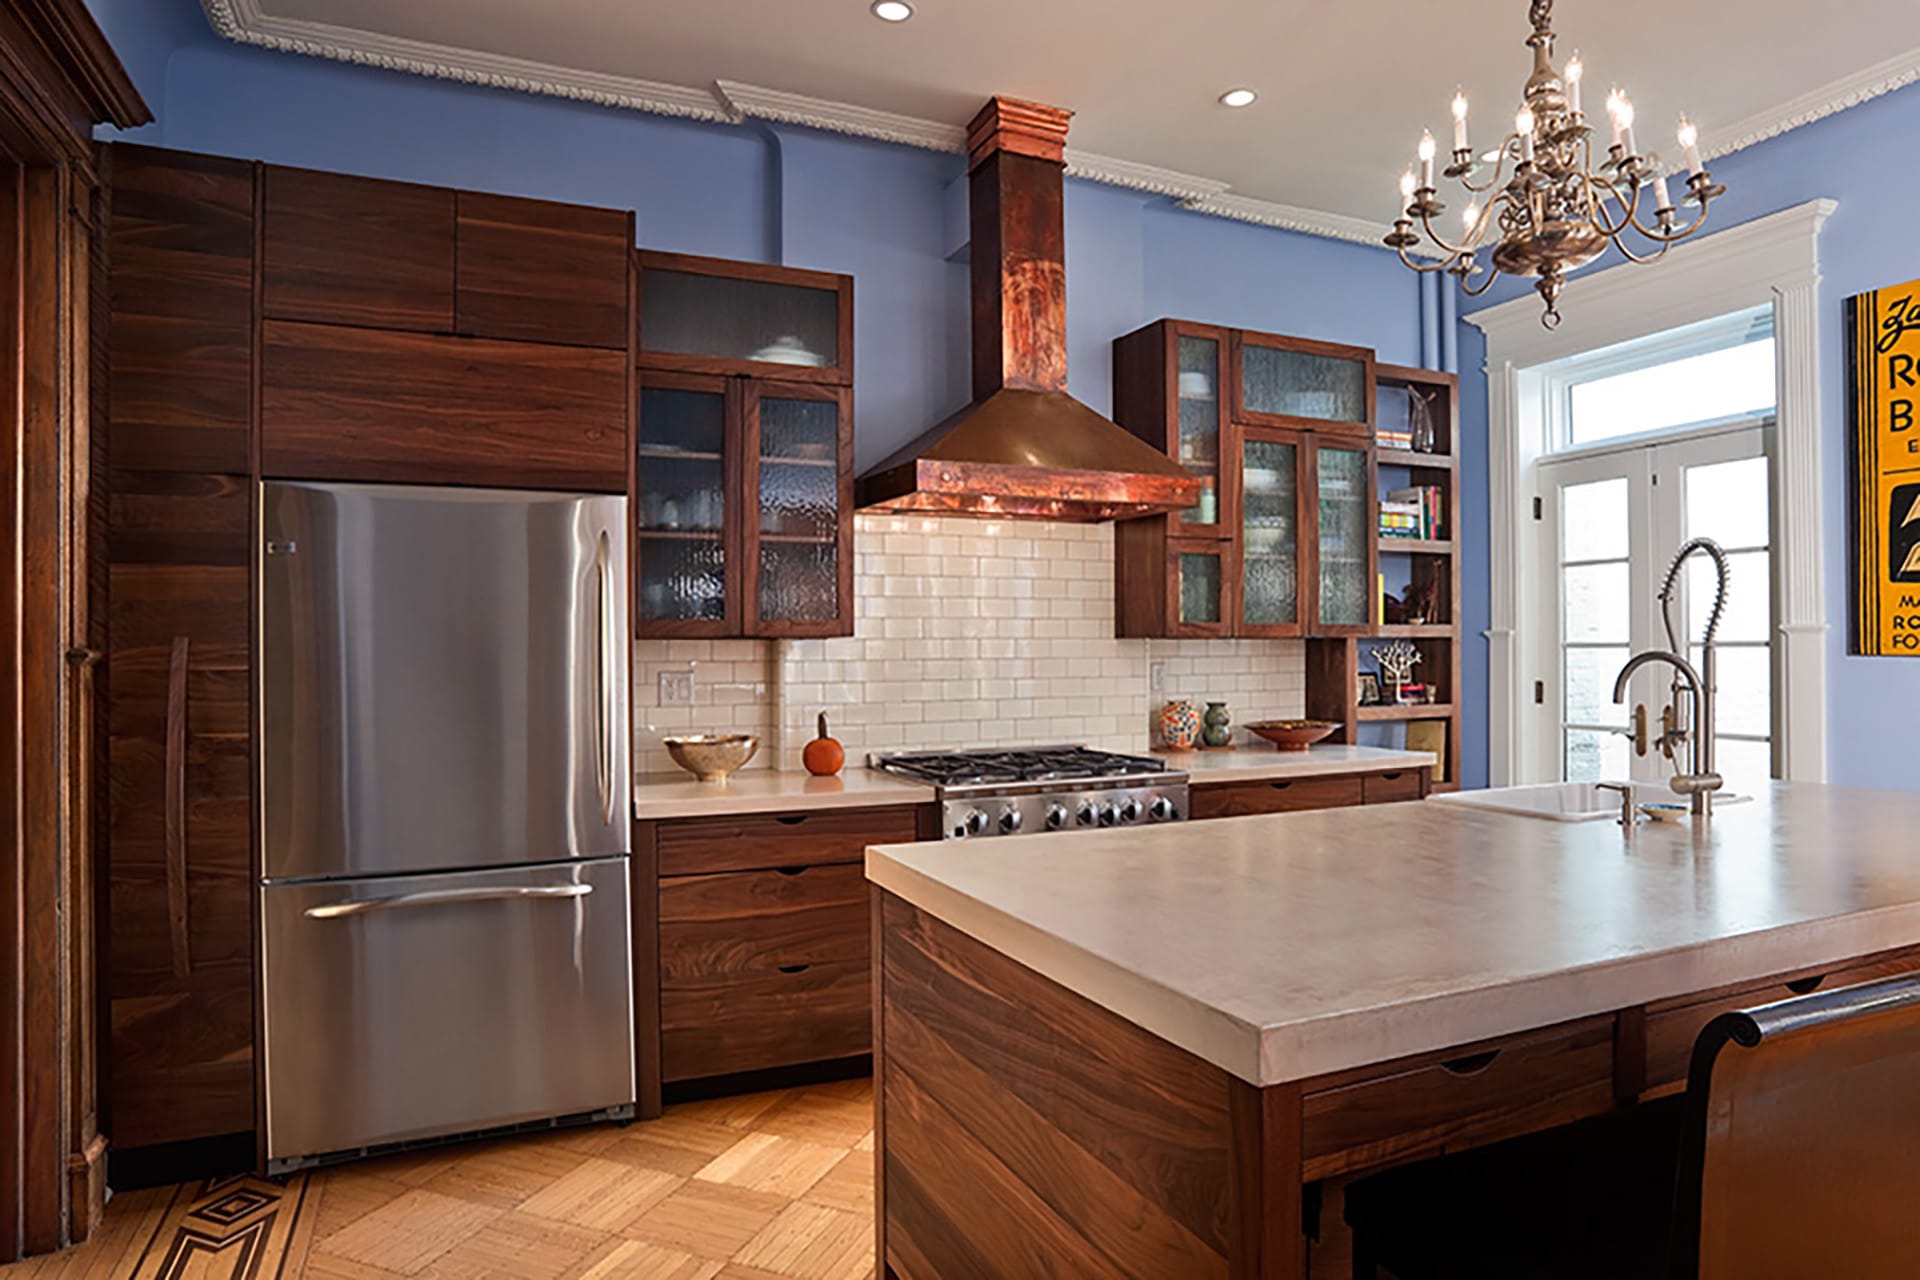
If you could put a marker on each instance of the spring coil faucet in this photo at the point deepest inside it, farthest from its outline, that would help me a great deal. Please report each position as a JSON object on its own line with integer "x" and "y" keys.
{"x": 1700, "y": 781}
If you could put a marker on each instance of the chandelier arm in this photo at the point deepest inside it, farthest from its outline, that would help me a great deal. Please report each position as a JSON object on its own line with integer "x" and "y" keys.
{"x": 1441, "y": 265}
{"x": 1499, "y": 168}
{"x": 1472, "y": 292}
{"x": 1629, "y": 206}
{"x": 1453, "y": 251}
{"x": 1642, "y": 258}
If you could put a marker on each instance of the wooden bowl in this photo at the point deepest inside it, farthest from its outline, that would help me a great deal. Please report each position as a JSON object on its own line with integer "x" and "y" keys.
{"x": 710, "y": 757}
{"x": 1293, "y": 735}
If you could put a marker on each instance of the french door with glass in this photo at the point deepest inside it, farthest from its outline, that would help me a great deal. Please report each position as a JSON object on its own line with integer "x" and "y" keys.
{"x": 1610, "y": 523}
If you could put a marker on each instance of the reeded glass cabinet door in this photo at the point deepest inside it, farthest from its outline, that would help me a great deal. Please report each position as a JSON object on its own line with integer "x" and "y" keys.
{"x": 801, "y": 476}
{"x": 1197, "y": 399}
{"x": 717, "y": 317}
{"x": 682, "y": 516}
{"x": 1294, "y": 381}
{"x": 1344, "y": 551}
{"x": 1197, "y": 592}
{"x": 1269, "y": 535}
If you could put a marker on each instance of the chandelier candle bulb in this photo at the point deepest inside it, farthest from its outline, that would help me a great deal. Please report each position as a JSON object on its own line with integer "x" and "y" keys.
{"x": 1468, "y": 217}
{"x": 1406, "y": 190}
{"x": 1623, "y": 121}
{"x": 1659, "y": 184}
{"x": 1613, "y": 113}
{"x": 1426, "y": 159}
{"x": 1575, "y": 70}
{"x": 1523, "y": 126}
{"x": 1690, "y": 143}
{"x": 1459, "y": 121}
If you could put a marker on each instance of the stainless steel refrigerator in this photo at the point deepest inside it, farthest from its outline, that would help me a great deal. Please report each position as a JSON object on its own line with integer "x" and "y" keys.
{"x": 445, "y": 813}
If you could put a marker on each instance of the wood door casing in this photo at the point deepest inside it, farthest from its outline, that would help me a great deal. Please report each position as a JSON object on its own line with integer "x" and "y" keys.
{"x": 181, "y": 231}
{"x": 340, "y": 403}
{"x": 179, "y": 765}
{"x": 537, "y": 271}
{"x": 339, "y": 249}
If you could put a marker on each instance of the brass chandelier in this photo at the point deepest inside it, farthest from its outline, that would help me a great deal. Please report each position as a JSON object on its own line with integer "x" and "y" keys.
{"x": 1557, "y": 211}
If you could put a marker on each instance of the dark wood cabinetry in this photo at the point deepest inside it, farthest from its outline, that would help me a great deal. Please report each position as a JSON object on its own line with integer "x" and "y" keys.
{"x": 535, "y": 271}
{"x": 341, "y": 403}
{"x": 338, "y": 249}
{"x": 753, "y": 944}
{"x": 179, "y": 761}
{"x": 1293, "y": 795}
{"x": 180, "y": 329}
{"x": 744, "y": 492}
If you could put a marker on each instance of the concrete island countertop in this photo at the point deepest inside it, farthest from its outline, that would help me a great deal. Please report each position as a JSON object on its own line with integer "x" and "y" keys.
{"x": 1285, "y": 947}
{"x": 1261, "y": 762}
{"x": 681, "y": 795}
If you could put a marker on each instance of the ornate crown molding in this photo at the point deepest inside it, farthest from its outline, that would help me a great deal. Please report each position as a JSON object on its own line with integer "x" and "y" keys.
{"x": 731, "y": 102}
{"x": 242, "y": 22}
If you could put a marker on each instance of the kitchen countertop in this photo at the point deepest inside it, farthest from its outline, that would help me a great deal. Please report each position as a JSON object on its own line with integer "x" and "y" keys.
{"x": 1261, "y": 762}
{"x": 1284, "y": 947}
{"x": 681, "y": 795}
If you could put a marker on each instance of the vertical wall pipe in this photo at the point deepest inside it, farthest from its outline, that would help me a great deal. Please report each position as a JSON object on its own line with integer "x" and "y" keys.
{"x": 1429, "y": 321}
{"x": 1449, "y": 326}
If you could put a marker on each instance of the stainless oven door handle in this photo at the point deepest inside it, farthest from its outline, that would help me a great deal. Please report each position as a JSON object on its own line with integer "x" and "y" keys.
{"x": 441, "y": 897}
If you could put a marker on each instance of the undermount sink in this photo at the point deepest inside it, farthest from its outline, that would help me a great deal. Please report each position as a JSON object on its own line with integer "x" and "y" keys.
{"x": 1560, "y": 801}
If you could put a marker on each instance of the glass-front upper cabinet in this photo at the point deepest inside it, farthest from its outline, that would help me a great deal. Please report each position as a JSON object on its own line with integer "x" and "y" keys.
{"x": 708, "y": 315}
{"x": 1268, "y": 596}
{"x": 1198, "y": 358}
{"x": 683, "y": 516}
{"x": 1300, "y": 382}
{"x": 1169, "y": 388}
{"x": 1197, "y": 603}
{"x": 1345, "y": 564}
{"x": 802, "y": 475}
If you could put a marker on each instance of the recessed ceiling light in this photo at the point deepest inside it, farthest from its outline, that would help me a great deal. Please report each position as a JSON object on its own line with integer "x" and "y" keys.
{"x": 1238, "y": 98}
{"x": 892, "y": 10}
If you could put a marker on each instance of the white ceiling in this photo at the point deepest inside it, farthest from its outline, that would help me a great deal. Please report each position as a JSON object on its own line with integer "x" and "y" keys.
{"x": 1345, "y": 85}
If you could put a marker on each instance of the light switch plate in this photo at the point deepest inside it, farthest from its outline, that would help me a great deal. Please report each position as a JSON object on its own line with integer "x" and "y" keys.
{"x": 1156, "y": 676}
{"x": 676, "y": 688}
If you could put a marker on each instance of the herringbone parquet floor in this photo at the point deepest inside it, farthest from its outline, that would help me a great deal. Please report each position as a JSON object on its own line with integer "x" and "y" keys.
{"x": 769, "y": 1186}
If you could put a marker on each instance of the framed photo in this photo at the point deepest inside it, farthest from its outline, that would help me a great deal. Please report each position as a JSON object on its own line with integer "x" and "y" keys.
{"x": 1369, "y": 689}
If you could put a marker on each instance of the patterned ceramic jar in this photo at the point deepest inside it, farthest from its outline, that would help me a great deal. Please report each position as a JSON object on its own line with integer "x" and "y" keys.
{"x": 1179, "y": 725}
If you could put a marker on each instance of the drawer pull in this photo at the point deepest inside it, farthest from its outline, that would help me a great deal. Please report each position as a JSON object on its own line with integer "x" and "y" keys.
{"x": 1279, "y": 786}
{"x": 1806, "y": 986}
{"x": 795, "y": 968}
{"x": 1390, "y": 777}
{"x": 788, "y": 871}
{"x": 1470, "y": 1065}
{"x": 792, "y": 819}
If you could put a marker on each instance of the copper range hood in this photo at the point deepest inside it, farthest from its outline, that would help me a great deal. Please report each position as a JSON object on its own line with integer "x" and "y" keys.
{"x": 1024, "y": 447}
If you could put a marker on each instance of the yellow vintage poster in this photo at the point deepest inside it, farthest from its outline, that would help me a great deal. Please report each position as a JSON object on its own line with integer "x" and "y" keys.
{"x": 1883, "y": 349}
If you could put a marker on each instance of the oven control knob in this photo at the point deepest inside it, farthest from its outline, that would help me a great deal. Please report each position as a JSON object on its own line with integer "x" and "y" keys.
{"x": 1057, "y": 816}
{"x": 1089, "y": 813}
{"x": 1009, "y": 819}
{"x": 976, "y": 822}
{"x": 1160, "y": 809}
{"x": 1130, "y": 810}
{"x": 1110, "y": 816}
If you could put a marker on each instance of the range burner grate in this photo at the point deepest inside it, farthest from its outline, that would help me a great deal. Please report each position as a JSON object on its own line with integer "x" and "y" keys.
{"x": 1026, "y": 764}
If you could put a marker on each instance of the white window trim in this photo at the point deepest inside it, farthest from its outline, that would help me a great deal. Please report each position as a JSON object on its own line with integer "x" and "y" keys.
{"x": 1774, "y": 261}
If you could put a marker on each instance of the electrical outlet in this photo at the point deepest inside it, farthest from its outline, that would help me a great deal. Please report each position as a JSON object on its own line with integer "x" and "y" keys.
{"x": 1157, "y": 676}
{"x": 676, "y": 688}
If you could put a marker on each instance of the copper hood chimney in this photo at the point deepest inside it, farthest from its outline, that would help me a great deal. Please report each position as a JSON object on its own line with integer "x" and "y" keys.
{"x": 1024, "y": 447}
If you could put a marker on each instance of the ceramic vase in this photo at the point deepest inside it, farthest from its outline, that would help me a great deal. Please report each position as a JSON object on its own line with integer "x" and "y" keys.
{"x": 1219, "y": 731}
{"x": 1179, "y": 726}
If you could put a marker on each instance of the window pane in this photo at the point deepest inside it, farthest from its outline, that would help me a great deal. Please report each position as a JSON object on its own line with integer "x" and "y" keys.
{"x": 1593, "y": 756}
{"x": 1593, "y": 520}
{"x": 1596, "y": 602}
{"x": 1728, "y": 502}
{"x": 1748, "y": 616}
{"x": 1745, "y": 766}
{"x": 1744, "y": 703}
{"x": 1590, "y": 674}
{"x": 1717, "y": 384}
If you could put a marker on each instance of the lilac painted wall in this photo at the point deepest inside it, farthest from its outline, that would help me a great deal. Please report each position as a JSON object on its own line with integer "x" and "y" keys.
{"x": 1869, "y": 242}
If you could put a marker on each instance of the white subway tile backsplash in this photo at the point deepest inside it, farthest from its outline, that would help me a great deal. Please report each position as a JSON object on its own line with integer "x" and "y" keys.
{"x": 966, "y": 634}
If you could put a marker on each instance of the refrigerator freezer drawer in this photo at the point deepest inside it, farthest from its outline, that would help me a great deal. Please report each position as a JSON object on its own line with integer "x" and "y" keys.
{"x": 412, "y": 1006}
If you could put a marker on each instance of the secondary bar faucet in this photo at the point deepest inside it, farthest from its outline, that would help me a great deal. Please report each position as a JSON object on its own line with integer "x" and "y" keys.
{"x": 1700, "y": 781}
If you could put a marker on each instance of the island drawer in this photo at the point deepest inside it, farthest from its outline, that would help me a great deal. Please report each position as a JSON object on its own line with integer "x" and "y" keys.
{"x": 1673, "y": 1025}
{"x": 1458, "y": 1098}
{"x": 756, "y": 922}
{"x": 1279, "y": 795}
{"x": 756, "y": 841}
{"x": 1387, "y": 788}
{"x": 719, "y": 1025}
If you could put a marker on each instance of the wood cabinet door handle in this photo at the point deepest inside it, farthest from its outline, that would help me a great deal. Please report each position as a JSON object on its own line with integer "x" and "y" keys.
{"x": 1806, "y": 986}
{"x": 795, "y": 968}
{"x": 791, "y": 819}
{"x": 175, "y": 783}
{"x": 1279, "y": 786}
{"x": 788, "y": 871}
{"x": 1391, "y": 777}
{"x": 1471, "y": 1064}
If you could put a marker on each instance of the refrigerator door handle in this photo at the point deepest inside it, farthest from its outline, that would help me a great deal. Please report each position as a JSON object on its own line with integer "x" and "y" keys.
{"x": 440, "y": 897}
{"x": 604, "y": 747}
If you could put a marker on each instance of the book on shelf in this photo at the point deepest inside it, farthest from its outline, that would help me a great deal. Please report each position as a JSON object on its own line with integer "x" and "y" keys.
{"x": 1393, "y": 438}
{"x": 1413, "y": 512}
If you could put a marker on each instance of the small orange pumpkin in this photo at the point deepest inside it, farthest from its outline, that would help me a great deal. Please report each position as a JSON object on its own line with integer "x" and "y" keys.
{"x": 823, "y": 756}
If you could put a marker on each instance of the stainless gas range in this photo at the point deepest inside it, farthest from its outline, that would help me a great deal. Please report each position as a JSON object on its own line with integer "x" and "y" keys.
{"x": 1030, "y": 790}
